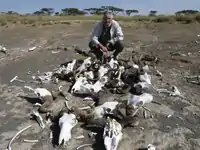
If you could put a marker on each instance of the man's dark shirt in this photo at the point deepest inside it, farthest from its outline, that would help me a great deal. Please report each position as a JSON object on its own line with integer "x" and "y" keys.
{"x": 105, "y": 36}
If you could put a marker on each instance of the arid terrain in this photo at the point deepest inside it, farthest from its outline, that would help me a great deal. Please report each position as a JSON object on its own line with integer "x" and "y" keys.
{"x": 176, "y": 45}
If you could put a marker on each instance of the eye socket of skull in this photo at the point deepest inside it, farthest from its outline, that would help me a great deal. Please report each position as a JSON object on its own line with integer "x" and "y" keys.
{"x": 96, "y": 66}
{"x": 115, "y": 66}
{"x": 108, "y": 110}
{"x": 111, "y": 134}
{"x": 88, "y": 64}
{"x": 102, "y": 79}
{"x": 38, "y": 94}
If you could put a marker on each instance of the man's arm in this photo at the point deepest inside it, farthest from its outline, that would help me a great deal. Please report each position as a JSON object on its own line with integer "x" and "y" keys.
{"x": 95, "y": 34}
{"x": 119, "y": 34}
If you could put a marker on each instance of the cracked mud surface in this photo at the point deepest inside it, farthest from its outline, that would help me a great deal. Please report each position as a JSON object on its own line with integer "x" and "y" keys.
{"x": 179, "y": 132}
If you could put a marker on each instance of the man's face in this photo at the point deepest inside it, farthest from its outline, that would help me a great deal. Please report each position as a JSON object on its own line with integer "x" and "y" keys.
{"x": 107, "y": 20}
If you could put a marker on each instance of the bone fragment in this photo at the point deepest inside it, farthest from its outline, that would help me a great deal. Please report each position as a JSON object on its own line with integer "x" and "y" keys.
{"x": 79, "y": 137}
{"x": 38, "y": 104}
{"x": 146, "y": 108}
{"x": 16, "y": 79}
{"x": 151, "y": 147}
{"x": 158, "y": 73}
{"x": 29, "y": 88}
{"x": 31, "y": 141}
{"x": 84, "y": 145}
{"x": 39, "y": 119}
{"x": 67, "y": 105}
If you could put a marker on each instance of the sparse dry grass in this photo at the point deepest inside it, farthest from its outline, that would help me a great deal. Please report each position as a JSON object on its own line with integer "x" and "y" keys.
{"x": 6, "y": 19}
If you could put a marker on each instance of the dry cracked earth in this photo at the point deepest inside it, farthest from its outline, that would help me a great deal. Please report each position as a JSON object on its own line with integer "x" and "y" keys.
{"x": 175, "y": 44}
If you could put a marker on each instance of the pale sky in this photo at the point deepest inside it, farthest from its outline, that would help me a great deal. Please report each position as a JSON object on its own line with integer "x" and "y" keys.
{"x": 144, "y": 6}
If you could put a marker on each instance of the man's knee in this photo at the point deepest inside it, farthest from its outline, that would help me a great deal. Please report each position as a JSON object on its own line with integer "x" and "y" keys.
{"x": 119, "y": 45}
{"x": 91, "y": 45}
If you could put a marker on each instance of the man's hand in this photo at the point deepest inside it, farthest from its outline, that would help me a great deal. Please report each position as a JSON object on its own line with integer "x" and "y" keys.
{"x": 109, "y": 45}
{"x": 104, "y": 48}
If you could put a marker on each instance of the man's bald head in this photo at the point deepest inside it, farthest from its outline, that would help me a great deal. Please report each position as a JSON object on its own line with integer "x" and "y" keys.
{"x": 107, "y": 18}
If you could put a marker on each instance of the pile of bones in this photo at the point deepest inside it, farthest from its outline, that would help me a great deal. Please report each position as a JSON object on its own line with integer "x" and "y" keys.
{"x": 91, "y": 79}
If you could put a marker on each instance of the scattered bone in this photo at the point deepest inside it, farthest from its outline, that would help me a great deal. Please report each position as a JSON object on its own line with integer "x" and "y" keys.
{"x": 86, "y": 63}
{"x": 29, "y": 72}
{"x": 193, "y": 79}
{"x": 3, "y": 49}
{"x": 16, "y": 79}
{"x": 67, "y": 105}
{"x": 84, "y": 145}
{"x": 158, "y": 73}
{"x": 55, "y": 52}
{"x": 102, "y": 109}
{"x": 46, "y": 77}
{"x": 168, "y": 116}
{"x": 146, "y": 108}
{"x": 144, "y": 114}
{"x": 32, "y": 48}
{"x": 143, "y": 98}
{"x": 40, "y": 92}
{"x": 141, "y": 128}
{"x": 92, "y": 134}
{"x": 84, "y": 108}
{"x": 37, "y": 104}
{"x": 79, "y": 137}
{"x": 31, "y": 141}
{"x": 151, "y": 147}
{"x": 51, "y": 135}
{"x": 174, "y": 92}
{"x": 145, "y": 78}
{"x": 180, "y": 118}
{"x": 39, "y": 119}
{"x": 17, "y": 134}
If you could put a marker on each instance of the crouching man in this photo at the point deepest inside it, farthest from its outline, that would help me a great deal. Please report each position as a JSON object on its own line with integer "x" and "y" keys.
{"x": 107, "y": 35}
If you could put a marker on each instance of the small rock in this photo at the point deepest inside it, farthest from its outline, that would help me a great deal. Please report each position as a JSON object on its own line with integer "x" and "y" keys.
{"x": 8, "y": 102}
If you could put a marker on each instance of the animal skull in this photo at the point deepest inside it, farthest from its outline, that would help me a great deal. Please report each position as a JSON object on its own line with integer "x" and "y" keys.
{"x": 101, "y": 110}
{"x": 112, "y": 134}
{"x": 66, "y": 123}
{"x": 40, "y": 92}
{"x": 100, "y": 83}
{"x": 103, "y": 70}
{"x": 143, "y": 98}
{"x": 113, "y": 63}
{"x": 145, "y": 78}
{"x": 81, "y": 85}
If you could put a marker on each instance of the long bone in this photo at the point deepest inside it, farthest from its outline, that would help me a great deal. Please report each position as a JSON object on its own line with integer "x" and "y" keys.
{"x": 17, "y": 134}
{"x": 174, "y": 92}
{"x": 16, "y": 79}
{"x": 39, "y": 119}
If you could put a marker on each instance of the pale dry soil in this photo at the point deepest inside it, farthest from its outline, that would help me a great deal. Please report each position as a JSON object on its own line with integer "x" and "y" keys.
{"x": 159, "y": 39}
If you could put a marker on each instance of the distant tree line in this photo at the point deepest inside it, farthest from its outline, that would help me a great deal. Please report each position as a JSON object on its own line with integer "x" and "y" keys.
{"x": 98, "y": 11}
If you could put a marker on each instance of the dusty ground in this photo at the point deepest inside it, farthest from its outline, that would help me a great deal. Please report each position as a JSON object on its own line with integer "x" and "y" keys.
{"x": 161, "y": 39}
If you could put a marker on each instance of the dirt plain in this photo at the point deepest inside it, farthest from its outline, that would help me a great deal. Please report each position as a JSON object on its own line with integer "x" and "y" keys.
{"x": 179, "y": 132}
